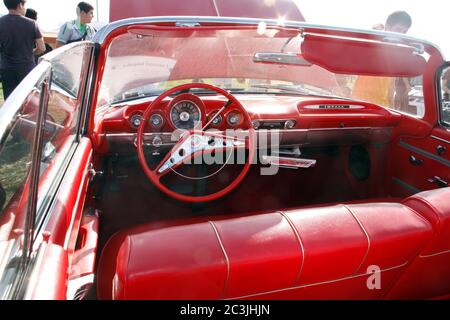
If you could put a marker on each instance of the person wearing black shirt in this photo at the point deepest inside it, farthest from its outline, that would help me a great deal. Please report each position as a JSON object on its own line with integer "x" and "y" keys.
{"x": 20, "y": 38}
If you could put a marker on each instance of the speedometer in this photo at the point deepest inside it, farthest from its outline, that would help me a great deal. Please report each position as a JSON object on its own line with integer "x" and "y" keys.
{"x": 185, "y": 115}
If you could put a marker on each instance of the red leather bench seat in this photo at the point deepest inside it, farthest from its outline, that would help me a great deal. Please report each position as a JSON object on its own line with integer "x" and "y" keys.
{"x": 315, "y": 253}
{"x": 429, "y": 274}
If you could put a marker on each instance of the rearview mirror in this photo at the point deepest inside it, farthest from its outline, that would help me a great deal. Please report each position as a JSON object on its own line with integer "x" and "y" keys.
{"x": 280, "y": 58}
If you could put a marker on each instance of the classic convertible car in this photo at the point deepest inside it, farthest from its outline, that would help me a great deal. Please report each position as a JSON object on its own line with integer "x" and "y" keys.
{"x": 227, "y": 158}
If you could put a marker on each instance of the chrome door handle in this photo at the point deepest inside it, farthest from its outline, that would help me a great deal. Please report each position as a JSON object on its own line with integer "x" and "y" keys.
{"x": 414, "y": 161}
{"x": 438, "y": 181}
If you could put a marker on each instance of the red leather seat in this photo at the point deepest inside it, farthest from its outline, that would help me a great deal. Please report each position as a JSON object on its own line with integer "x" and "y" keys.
{"x": 316, "y": 253}
{"x": 429, "y": 274}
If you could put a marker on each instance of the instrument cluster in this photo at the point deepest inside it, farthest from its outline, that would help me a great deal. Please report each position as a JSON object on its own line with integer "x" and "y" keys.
{"x": 186, "y": 112}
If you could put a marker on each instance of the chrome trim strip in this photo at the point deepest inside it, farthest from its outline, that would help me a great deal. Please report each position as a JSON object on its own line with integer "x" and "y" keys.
{"x": 434, "y": 254}
{"x": 424, "y": 153}
{"x": 103, "y": 33}
{"x": 299, "y": 239}
{"x": 262, "y": 130}
{"x": 56, "y": 52}
{"x": 225, "y": 255}
{"x": 406, "y": 186}
{"x": 34, "y": 173}
{"x": 440, "y": 139}
{"x": 216, "y": 7}
{"x": 317, "y": 283}
{"x": 133, "y": 135}
{"x": 369, "y": 243}
{"x": 334, "y": 106}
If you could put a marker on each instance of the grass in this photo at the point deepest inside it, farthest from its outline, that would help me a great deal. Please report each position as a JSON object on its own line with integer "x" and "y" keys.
{"x": 14, "y": 160}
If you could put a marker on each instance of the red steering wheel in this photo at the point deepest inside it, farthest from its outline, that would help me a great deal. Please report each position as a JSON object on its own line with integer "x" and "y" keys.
{"x": 195, "y": 142}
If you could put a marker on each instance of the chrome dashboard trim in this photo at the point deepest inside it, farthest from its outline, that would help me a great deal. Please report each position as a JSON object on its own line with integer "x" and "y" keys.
{"x": 334, "y": 106}
{"x": 288, "y": 137}
{"x": 263, "y": 130}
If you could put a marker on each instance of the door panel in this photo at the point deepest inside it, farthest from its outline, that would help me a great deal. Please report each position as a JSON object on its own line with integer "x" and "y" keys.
{"x": 48, "y": 279}
{"x": 68, "y": 204}
{"x": 417, "y": 165}
{"x": 423, "y": 163}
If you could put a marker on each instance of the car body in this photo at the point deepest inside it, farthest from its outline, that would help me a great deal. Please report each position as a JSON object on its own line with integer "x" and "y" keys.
{"x": 311, "y": 194}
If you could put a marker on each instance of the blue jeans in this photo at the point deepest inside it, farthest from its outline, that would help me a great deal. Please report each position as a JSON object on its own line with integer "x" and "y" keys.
{"x": 11, "y": 78}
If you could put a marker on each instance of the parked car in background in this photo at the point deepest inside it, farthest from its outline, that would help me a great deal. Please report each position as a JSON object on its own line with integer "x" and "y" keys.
{"x": 219, "y": 158}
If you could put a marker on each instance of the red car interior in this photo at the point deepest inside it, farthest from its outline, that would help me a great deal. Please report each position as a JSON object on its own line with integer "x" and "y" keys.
{"x": 232, "y": 258}
{"x": 375, "y": 204}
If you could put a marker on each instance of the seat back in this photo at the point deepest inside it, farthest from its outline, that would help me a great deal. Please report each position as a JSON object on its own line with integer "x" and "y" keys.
{"x": 429, "y": 274}
{"x": 318, "y": 253}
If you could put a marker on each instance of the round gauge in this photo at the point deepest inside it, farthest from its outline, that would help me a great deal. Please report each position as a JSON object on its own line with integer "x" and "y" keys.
{"x": 217, "y": 120}
{"x": 234, "y": 119}
{"x": 136, "y": 120}
{"x": 185, "y": 115}
{"x": 156, "y": 121}
{"x": 290, "y": 124}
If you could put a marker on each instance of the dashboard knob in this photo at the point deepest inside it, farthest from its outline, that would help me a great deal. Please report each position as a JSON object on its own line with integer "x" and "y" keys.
{"x": 290, "y": 124}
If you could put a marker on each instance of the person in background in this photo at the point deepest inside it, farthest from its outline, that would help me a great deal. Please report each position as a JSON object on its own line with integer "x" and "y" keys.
{"x": 385, "y": 91}
{"x": 20, "y": 38}
{"x": 79, "y": 29}
{"x": 400, "y": 22}
{"x": 31, "y": 14}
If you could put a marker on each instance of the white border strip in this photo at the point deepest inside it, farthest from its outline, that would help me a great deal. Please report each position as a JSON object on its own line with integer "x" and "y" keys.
{"x": 224, "y": 253}
{"x": 316, "y": 284}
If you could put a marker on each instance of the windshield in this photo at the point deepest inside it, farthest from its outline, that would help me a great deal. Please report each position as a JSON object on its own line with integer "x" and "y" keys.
{"x": 146, "y": 61}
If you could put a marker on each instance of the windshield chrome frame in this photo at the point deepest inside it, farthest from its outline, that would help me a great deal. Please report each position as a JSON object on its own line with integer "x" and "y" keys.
{"x": 101, "y": 36}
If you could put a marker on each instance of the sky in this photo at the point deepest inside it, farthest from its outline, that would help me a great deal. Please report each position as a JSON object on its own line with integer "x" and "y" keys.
{"x": 429, "y": 16}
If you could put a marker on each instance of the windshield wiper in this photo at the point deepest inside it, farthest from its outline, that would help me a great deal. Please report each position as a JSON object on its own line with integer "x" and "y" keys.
{"x": 297, "y": 90}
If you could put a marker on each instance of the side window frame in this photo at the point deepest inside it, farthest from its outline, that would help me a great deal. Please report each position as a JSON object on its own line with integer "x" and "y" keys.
{"x": 440, "y": 105}
{"x": 24, "y": 249}
{"x": 17, "y": 259}
{"x": 81, "y": 105}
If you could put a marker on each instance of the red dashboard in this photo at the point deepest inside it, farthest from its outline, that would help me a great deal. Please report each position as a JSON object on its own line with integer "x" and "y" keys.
{"x": 298, "y": 120}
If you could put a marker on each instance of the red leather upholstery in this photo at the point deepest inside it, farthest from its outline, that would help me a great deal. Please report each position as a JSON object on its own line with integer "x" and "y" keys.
{"x": 316, "y": 253}
{"x": 429, "y": 274}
